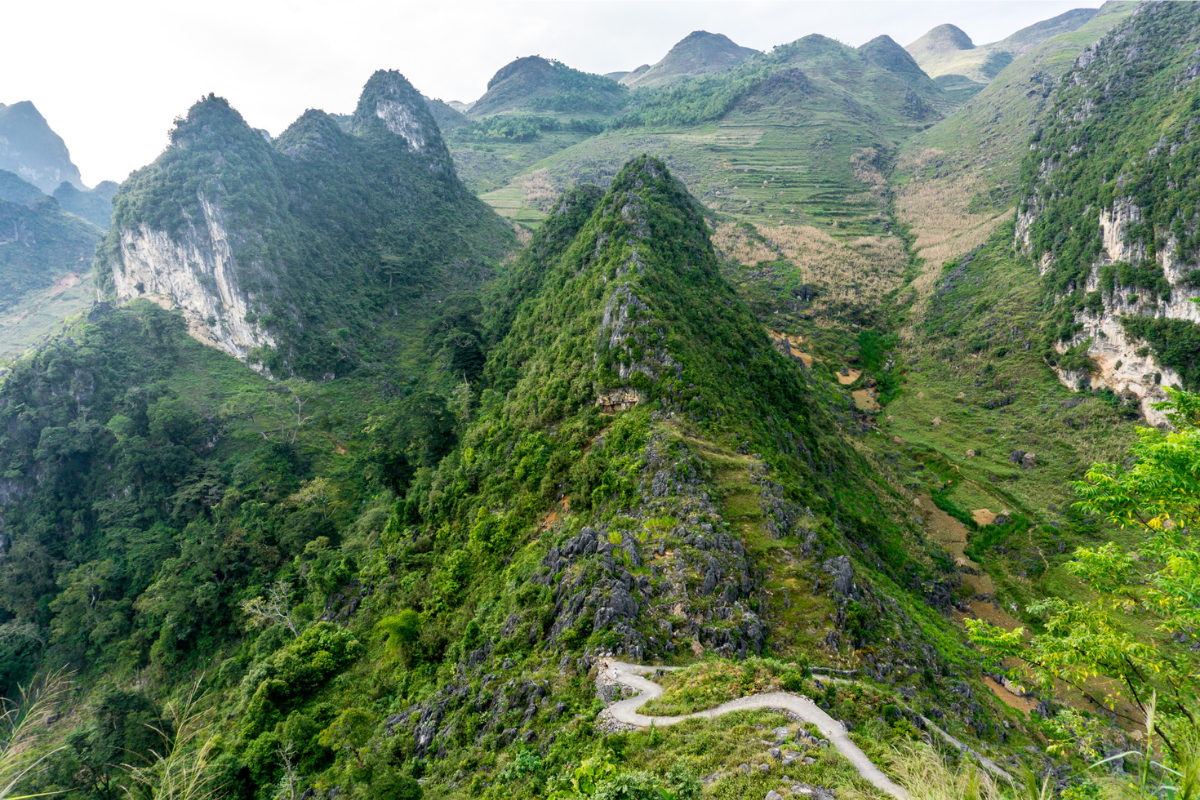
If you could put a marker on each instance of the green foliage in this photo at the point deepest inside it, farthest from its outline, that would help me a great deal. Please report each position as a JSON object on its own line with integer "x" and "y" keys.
{"x": 1158, "y": 494}
{"x": 988, "y": 536}
{"x": 1119, "y": 134}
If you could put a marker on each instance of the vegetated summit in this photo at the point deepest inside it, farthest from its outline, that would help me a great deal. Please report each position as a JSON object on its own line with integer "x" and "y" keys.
{"x": 535, "y": 84}
{"x": 697, "y": 54}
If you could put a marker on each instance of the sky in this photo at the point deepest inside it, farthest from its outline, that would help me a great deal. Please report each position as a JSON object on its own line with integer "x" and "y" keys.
{"x": 111, "y": 75}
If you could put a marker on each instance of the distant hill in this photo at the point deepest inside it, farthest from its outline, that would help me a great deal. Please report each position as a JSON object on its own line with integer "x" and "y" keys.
{"x": 94, "y": 205}
{"x": 446, "y": 115}
{"x": 948, "y": 50}
{"x": 29, "y": 148}
{"x": 537, "y": 85}
{"x": 883, "y": 51}
{"x": 967, "y": 165}
{"x": 941, "y": 42}
{"x": 15, "y": 190}
{"x": 39, "y": 244}
{"x": 699, "y": 53}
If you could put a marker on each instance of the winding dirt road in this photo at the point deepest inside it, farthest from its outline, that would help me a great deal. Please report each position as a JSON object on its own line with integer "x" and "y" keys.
{"x": 625, "y": 711}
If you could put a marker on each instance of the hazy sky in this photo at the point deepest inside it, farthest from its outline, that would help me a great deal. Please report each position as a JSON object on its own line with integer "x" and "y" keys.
{"x": 110, "y": 75}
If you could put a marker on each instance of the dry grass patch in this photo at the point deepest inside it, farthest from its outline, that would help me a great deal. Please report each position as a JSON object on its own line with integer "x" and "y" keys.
{"x": 538, "y": 189}
{"x": 853, "y": 273}
{"x": 937, "y": 210}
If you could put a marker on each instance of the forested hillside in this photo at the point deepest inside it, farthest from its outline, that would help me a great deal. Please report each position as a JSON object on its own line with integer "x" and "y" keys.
{"x": 1108, "y": 208}
{"x": 812, "y": 397}
{"x": 300, "y": 254}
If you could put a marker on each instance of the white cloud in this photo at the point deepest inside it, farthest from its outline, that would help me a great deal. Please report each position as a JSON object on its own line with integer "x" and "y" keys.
{"x": 110, "y": 76}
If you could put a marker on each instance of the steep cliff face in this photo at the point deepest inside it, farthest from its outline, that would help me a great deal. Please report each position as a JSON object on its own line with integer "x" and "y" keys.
{"x": 194, "y": 272}
{"x": 1109, "y": 209}
{"x": 283, "y": 253}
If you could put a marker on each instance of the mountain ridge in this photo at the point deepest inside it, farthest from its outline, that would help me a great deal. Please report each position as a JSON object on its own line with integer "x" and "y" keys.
{"x": 233, "y": 258}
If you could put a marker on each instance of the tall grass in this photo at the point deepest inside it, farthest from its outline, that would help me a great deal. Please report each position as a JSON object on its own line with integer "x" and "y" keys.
{"x": 23, "y": 724}
{"x": 182, "y": 768}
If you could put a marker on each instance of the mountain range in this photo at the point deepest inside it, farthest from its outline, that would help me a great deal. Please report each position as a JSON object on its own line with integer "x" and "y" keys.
{"x": 357, "y": 454}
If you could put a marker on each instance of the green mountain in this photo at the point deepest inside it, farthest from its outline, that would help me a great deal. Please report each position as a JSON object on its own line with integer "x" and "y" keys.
{"x": 300, "y": 253}
{"x": 697, "y": 54}
{"x": 15, "y": 190}
{"x": 536, "y": 85}
{"x": 941, "y": 42}
{"x": 39, "y": 244}
{"x": 636, "y": 469}
{"x": 948, "y": 51}
{"x": 45, "y": 257}
{"x": 786, "y": 379}
{"x": 29, "y": 148}
{"x": 94, "y": 205}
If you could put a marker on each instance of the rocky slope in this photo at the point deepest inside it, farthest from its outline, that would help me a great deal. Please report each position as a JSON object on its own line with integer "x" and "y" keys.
{"x": 1108, "y": 208}
{"x": 261, "y": 243}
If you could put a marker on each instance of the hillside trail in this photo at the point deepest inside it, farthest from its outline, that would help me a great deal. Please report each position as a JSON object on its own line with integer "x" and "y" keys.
{"x": 625, "y": 711}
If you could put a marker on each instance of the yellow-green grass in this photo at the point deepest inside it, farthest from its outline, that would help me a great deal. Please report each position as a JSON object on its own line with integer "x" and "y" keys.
{"x": 37, "y": 316}
{"x": 707, "y": 684}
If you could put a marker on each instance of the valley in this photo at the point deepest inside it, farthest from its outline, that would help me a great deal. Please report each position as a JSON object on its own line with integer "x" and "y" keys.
{"x": 847, "y": 393}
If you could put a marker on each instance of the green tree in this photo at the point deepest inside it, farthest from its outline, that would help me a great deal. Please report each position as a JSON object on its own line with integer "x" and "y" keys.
{"x": 1158, "y": 494}
{"x": 349, "y": 732}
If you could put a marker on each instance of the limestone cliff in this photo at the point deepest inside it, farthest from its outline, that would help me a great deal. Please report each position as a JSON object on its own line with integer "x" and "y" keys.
{"x": 1109, "y": 209}
{"x": 1120, "y": 361}
{"x": 285, "y": 252}
{"x": 195, "y": 272}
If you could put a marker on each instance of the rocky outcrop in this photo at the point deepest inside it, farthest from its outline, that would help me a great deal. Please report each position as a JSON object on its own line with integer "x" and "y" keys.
{"x": 390, "y": 98}
{"x": 195, "y": 272}
{"x": 701, "y": 580}
{"x": 1121, "y": 362}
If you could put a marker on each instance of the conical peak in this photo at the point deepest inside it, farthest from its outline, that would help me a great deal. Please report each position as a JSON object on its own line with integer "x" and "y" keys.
{"x": 649, "y": 221}
{"x": 943, "y": 39}
{"x": 885, "y": 52}
{"x": 649, "y": 177}
{"x": 314, "y": 132}
{"x": 212, "y": 119}
{"x": 534, "y": 68}
{"x": 389, "y": 99}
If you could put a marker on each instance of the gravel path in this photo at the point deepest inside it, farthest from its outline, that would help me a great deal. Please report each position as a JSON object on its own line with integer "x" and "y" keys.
{"x": 625, "y": 711}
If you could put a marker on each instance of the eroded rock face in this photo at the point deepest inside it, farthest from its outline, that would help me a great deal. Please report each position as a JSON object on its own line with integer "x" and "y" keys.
{"x": 1120, "y": 362}
{"x": 698, "y": 571}
{"x": 390, "y": 98}
{"x": 195, "y": 272}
